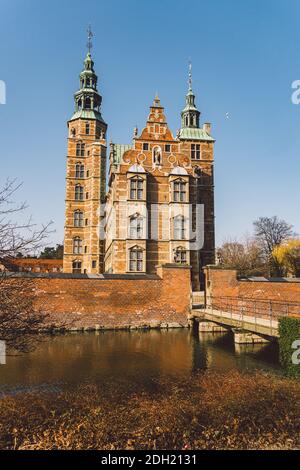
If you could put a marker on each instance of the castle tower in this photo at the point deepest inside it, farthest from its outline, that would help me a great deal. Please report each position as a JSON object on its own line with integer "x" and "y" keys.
{"x": 86, "y": 177}
{"x": 197, "y": 142}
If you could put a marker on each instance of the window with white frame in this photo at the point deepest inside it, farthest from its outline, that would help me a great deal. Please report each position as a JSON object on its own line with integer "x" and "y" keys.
{"x": 136, "y": 259}
{"x": 78, "y": 218}
{"x": 77, "y": 245}
{"x": 179, "y": 227}
{"x": 136, "y": 227}
{"x": 136, "y": 188}
{"x": 179, "y": 191}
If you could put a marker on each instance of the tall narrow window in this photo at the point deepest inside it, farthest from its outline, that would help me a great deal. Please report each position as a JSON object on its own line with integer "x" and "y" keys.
{"x": 77, "y": 245}
{"x": 80, "y": 149}
{"x": 179, "y": 191}
{"x": 87, "y": 103}
{"x": 136, "y": 227}
{"x": 78, "y": 192}
{"x": 87, "y": 128}
{"x": 136, "y": 259}
{"x": 136, "y": 188}
{"x": 195, "y": 151}
{"x": 76, "y": 267}
{"x": 179, "y": 227}
{"x": 78, "y": 219}
{"x": 79, "y": 170}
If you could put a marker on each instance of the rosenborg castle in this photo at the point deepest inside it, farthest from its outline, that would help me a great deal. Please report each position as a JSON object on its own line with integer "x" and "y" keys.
{"x": 135, "y": 206}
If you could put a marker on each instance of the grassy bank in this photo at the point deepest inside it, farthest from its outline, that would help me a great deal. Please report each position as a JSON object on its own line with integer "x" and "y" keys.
{"x": 210, "y": 411}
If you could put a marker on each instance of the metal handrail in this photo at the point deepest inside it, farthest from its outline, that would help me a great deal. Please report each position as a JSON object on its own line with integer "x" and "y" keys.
{"x": 257, "y": 308}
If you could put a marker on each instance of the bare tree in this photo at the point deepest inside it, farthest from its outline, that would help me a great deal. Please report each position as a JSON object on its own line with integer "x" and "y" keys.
{"x": 269, "y": 233}
{"x": 18, "y": 320}
{"x": 246, "y": 257}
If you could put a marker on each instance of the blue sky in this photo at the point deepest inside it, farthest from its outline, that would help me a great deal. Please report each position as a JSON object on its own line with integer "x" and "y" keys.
{"x": 245, "y": 57}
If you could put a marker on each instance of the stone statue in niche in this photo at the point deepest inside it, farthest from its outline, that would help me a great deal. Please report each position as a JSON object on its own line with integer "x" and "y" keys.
{"x": 157, "y": 156}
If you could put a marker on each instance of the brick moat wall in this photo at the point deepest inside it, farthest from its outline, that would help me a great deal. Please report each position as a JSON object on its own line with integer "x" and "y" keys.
{"x": 116, "y": 301}
{"x": 223, "y": 285}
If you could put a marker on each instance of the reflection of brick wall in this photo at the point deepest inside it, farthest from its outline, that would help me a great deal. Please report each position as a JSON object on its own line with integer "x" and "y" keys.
{"x": 116, "y": 300}
{"x": 222, "y": 284}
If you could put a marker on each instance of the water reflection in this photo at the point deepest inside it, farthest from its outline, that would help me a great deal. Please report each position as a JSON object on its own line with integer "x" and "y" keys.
{"x": 135, "y": 356}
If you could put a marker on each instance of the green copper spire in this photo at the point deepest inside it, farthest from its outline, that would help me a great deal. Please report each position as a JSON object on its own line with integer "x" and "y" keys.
{"x": 87, "y": 99}
{"x": 190, "y": 114}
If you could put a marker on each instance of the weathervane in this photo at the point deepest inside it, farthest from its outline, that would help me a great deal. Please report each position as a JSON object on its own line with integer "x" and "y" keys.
{"x": 190, "y": 75}
{"x": 90, "y": 37}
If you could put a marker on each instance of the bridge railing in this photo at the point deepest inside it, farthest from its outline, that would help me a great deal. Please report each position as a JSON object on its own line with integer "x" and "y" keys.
{"x": 258, "y": 308}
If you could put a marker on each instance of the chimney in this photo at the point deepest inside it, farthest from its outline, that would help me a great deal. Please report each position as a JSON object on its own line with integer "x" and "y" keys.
{"x": 207, "y": 127}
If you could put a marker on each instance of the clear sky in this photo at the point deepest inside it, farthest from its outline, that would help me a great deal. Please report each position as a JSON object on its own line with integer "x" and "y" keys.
{"x": 245, "y": 56}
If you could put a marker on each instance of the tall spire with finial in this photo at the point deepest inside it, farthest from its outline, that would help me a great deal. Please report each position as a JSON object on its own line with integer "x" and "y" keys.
{"x": 190, "y": 75}
{"x": 90, "y": 39}
{"x": 87, "y": 98}
{"x": 190, "y": 114}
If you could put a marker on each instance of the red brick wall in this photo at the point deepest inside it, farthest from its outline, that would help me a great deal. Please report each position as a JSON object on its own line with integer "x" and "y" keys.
{"x": 221, "y": 283}
{"x": 116, "y": 302}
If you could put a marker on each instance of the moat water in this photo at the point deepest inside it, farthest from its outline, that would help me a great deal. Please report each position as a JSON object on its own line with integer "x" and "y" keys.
{"x": 68, "y": 360}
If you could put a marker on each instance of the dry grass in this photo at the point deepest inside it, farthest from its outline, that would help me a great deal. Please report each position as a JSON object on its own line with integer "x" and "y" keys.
{"x": 210, "y": 411}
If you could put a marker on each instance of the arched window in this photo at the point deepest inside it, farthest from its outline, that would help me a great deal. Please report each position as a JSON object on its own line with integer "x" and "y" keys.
{"x": 80, "y": 149}
{"x": 88, "y": 103}
{"x": 79, "y": 104}
{"x": 179, "y": 190}
{"x": 179, "y": 227}
{"x": 78, "y": 192}
{"x": 77, "y": 246}
{"x": 136, "y": 188}
{"x": 136, "y": 227}
{"x": 136, "y": 259}
{"x": 78, "y": 218}
{"x": 76, "y": 267}
{"x": 180, "y": 255}
{"x": 79, "y": 170}
{"x": 87, "y": 128}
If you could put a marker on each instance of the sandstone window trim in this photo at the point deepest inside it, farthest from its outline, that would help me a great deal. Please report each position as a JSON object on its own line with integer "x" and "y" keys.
{"x": 136, "y": 188}
{"x": 136, "y": 227}
{"x": 79, "y": 170}
{"x": 76, "y": 266}
{"x": 179, "y": 190}
{"x": 136, "y": 259}
{"x": 79, "y": 190}
{"x": 77, "y": 246}
{"x": 78, "y": 218}
{"x": 180, "y": 255}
